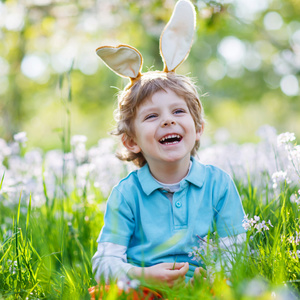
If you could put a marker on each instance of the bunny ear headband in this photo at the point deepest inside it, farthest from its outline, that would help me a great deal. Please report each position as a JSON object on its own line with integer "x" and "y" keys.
{"x": 175, "y": 44}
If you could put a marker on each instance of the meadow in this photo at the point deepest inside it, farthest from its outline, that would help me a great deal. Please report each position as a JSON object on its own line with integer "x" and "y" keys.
{"x": 52, "y": 207}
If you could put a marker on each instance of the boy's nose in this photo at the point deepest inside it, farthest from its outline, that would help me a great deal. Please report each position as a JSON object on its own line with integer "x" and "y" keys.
{"x": 168, "y": 123}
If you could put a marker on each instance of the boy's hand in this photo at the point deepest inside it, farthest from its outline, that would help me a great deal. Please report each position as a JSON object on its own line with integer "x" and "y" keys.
{"x": 165, "y": 273}
{"x": 199, "y": 272}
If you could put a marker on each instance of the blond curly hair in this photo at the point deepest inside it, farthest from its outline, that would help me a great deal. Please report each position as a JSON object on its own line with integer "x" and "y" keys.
{"x": 151, "y": 82}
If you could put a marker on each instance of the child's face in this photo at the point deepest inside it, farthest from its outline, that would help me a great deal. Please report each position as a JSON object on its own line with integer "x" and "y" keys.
{"x": 164, "y": 129}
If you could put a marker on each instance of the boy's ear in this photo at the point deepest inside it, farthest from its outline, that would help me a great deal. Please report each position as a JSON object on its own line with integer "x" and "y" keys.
{"x": 199, "y": 132}
{"x": 130, "y": 144}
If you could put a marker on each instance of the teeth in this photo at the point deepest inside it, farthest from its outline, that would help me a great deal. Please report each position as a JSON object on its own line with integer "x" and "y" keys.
{"x": 171, "y": 136}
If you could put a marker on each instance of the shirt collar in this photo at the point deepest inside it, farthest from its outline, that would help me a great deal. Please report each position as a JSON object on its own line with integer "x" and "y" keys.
{"x": 195, "y": 176}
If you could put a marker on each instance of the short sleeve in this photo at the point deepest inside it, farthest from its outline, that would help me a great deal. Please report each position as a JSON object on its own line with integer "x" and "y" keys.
{"x": 229, "y": 212}
{"x": 119, "y": 221}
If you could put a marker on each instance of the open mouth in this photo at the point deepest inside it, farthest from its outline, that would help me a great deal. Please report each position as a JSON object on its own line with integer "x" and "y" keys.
{"x": 170, "y": 139}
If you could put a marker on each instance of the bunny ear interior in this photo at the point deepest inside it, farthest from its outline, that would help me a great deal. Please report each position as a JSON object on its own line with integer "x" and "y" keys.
{"x": 124, "y": 60}
{"x": 177, "y": 37}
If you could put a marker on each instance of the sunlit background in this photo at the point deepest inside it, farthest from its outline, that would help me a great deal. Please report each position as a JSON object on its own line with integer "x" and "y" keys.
{"x": 245, "y": 57}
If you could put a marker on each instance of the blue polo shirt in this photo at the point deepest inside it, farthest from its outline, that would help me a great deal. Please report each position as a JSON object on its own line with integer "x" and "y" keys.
{"x": 140, "y": 216}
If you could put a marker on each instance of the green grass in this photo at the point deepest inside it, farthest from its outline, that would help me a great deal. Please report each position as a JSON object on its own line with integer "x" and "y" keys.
{"x": 45, "y": 252}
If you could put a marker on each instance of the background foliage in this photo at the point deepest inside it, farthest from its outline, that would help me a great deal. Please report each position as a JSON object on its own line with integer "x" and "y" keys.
{"x": 246, "y": 57}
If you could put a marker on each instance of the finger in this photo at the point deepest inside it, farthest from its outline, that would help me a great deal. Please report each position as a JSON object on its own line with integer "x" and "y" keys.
{"x": 202, "y": 271}
{"x": 197, "y": 272}
{"x": 178, "y": 266}
{"x": 174, "y": 274}
{"x": 184, "y": 269}
{"x": 167, "y": 266}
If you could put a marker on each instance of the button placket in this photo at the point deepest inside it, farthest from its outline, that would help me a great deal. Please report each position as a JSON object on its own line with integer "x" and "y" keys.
{"x": 180, "y": 209}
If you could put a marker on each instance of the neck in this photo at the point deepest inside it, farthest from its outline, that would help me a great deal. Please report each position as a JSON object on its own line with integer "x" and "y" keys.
{"x": 170, "y": 172}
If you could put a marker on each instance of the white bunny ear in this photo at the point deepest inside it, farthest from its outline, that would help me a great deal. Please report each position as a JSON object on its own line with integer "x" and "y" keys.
{"x": 124, "y": 60}
{"x": 177, "y": 37}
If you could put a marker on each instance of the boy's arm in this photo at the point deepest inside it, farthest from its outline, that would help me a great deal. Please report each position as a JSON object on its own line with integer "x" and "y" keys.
{"x": 229, "y": 212}
{"x": 110, "y": 262}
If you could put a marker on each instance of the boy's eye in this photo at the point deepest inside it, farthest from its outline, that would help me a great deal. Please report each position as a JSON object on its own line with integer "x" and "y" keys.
{"x": 179, "y": 111}
{"x": 151, "y": 116}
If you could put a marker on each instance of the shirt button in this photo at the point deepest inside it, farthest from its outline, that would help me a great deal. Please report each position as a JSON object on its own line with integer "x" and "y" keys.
{"x": 178, "y": 204}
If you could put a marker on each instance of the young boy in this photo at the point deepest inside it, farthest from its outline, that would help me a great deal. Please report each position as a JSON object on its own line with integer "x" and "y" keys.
{"x": 155, "y": 214}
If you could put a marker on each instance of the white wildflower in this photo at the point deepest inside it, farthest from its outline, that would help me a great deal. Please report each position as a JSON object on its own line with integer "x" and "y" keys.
{"x": 78, "y": 148}
{"x": 4, "y": 149}
{"x": 294, "y": 239}
{"x": 279, "y": 177}
{"x": 254, "y": 223}
{"x": 246, "y": 223}
{"x": 13, "y": 266}
{"x": 78, "y": 139}
{"x": 297, "y": 239}
{"x": 207, "y": 249}
{"x": 295, "y": 254}
{"x": 126, "y": 284}
{"x": 80, "y": 153}
{"x": 134, "y": 284}
{"x": 295, "y": 199}
{"x": 20, "y": 137}
{"x": 295, "y": 153}
{"x": 267, "y": 132}
{"x": 285, "y": 138}
{"x": 259, "y": 227}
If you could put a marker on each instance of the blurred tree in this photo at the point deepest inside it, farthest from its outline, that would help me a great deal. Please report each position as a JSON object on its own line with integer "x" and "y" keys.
{"x": 246, "y": 56}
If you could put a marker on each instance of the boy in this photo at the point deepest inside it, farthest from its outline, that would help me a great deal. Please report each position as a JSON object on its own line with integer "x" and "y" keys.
{"x": 155, "y": 215}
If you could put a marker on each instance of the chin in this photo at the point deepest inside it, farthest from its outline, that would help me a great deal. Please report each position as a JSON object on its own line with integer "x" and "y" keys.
{"x": 173, "y": 159}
